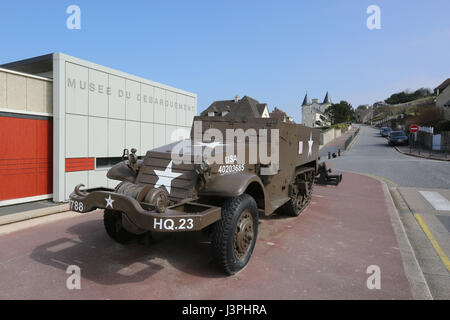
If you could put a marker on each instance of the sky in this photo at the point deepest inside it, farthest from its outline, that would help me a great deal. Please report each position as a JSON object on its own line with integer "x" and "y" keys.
{"x": 272, "y": 51}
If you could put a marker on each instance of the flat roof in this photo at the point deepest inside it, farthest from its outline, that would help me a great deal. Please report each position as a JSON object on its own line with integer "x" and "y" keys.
{"x": 25, "y": 74}
{"x": 34, "y": 65}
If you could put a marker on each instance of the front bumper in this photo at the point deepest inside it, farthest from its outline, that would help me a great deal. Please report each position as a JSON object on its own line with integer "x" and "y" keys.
{"x": 185, "y": 216}
{"x": 398, "y": 142}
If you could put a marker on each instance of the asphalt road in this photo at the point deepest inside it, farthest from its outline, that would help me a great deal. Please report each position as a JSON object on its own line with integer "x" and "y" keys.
{"x": 372, "y": 155}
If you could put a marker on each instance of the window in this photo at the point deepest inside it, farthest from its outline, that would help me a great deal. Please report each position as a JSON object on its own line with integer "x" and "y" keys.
{"x": 103, "y": 163}
{"x": 106, "y": 162}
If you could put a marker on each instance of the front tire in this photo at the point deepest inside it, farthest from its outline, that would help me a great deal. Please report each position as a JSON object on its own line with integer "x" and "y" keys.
{"x": 234, "y": 235}
{"x": 114, "y": 228}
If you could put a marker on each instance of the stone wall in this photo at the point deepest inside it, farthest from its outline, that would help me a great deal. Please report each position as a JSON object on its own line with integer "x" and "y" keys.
{"x": 329, "y": 135}
{"x": 21, "y": 92}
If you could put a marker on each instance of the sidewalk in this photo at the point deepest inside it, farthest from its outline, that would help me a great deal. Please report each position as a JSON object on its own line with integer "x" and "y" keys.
{"x": 323, "y": 254}
{"x": 338, "y": 143}
{"x": 25, "y": 211}
{"x": 423, "y": 153}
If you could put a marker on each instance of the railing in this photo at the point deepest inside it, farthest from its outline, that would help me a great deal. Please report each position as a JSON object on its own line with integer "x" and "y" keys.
{"x": 424, "y": 143}
{"x": 384, "y": 120}
{"x": 442, "y": 152}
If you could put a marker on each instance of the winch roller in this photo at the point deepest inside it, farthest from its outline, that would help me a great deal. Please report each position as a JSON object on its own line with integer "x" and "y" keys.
{"x": 156, "y": 197}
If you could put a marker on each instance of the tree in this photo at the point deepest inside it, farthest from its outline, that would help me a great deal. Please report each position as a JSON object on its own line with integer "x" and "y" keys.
{"x": 362, "y": 107}
{"x": 340, "y": 112}
{"x": 427, "y": 116}
{"x": 406, "y": 96}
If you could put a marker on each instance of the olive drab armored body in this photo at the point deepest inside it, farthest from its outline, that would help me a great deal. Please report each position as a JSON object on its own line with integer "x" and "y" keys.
{"x": 224, "y": 177}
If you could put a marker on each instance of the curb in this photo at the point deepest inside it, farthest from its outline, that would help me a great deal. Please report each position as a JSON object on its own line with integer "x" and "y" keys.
{"x": 418, "y": 156}
{"x": 31, "y": 214}
{"x": 37, "y": 221}
{"x": 350, "y": 146}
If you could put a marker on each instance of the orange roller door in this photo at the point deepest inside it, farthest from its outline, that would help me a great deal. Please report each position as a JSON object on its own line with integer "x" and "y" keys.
{"x": 25, "y": 156}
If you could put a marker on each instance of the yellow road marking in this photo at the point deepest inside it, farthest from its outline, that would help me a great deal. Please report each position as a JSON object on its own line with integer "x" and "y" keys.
{"x": 385, "y": 179}
{"x": 381, "y": 178}
{"x": 433, "y": 241}
{"x": 373, "y": 176}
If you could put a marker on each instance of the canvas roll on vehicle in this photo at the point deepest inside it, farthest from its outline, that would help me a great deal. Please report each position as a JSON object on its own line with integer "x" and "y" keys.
{"x": 214, "y": 189}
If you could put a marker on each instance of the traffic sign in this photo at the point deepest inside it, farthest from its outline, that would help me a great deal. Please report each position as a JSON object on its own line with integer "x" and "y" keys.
{"x": 414, "y": 128}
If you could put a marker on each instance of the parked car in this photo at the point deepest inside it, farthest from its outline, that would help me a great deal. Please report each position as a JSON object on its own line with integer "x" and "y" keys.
{"x": 398, "y": 138}
{"x": 382, "y": 129}
{"x": 385, "y": 131}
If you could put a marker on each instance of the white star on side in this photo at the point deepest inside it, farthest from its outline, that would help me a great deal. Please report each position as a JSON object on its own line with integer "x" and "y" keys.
{"x": 165, "y": 177}
{"x": 310, "y": 144}
{"x": 109, "y": 202}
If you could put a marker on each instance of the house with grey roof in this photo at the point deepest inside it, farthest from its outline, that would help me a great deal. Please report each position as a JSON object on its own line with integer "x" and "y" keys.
{"x": 313, "y": 113}
{"x": 237, "y": 109}
{"x": 280, "y": 114}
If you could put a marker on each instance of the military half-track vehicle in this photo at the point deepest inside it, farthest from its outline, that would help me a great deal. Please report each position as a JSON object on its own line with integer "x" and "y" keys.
{"x": 214, "y": 189}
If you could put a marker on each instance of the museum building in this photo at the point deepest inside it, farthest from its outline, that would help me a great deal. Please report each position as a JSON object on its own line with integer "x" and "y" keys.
{"x": 65, "y": 121}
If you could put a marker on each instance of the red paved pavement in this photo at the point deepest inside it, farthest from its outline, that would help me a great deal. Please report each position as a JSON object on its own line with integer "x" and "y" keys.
{"x": 323, "y": 254}
{"x": 338, "y": 143}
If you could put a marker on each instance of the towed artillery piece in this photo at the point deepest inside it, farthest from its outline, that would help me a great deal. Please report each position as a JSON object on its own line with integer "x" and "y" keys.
{"x": 215, "y": 189}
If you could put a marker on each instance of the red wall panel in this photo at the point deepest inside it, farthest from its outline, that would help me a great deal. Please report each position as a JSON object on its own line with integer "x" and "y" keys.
{"x": 26, "y": 157}
{"x": 80, "y": 164}
{"x": 44, "y": 159}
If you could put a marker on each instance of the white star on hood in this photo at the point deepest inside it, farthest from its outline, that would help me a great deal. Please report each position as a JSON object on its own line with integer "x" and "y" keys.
{"x": 310, "y": 144}
{"x": 165, "y": 177}
{"x": 109, "y": 202}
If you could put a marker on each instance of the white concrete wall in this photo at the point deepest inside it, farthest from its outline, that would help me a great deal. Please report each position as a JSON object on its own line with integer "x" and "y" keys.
{"x": 442, "y": 99}
{"x": 308, "y": 116}
{"x": 23, "y": 93}
{"x": 101, "y": 111}
{"x": 330, "y": 135}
